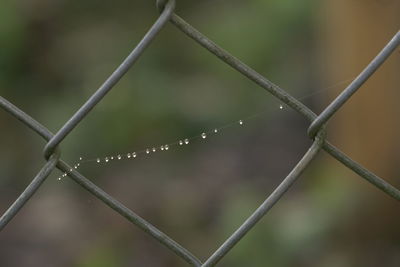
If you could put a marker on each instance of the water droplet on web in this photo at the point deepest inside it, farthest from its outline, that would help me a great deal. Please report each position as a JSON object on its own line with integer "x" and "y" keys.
{"x": 184, "y": 141}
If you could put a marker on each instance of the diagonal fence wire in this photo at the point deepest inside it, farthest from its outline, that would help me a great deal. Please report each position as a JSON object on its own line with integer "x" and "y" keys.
{"x": 316, "y": 132}
{"x": 288, "y": 99}
{"x": 93, "y": 189}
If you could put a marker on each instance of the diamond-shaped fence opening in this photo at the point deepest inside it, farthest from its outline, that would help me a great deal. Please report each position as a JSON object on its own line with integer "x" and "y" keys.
{"x": 316, "y": 132}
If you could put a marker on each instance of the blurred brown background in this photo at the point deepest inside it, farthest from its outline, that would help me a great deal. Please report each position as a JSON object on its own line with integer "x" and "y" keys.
{"x": 55, "y": 54}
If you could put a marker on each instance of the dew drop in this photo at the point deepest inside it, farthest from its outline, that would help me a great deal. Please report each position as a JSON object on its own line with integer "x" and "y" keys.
{"x": 106, "y": 159}
{"x": 98, "y": 160}
{"x": 204, "y": 135}
{"x": 119, "y": 157}
{"x": 280, "y": 107}
{"x": 162, "y": 147}
{"x": 128, "y": 155}
{"x": 241, "y": 122}
{"x": 112, "y": 158}
{"x": 80, "y": 158}
{"x": 70, "y": 170}
{"x": 134, "y": 154}
{"x": 166, "y": 147}
{"x": 147, "y": 151}
{"x": 215, "y": 130}
{"x": 186, "y": 141}
{"x": 154, "y": 149}
{"x": 76, "y": 167}
{"x": 180, "y": 142}
{"x": 59, "y": 178}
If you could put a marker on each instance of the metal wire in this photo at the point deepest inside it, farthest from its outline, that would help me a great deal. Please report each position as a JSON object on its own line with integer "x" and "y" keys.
{"x": 316, "y": 131}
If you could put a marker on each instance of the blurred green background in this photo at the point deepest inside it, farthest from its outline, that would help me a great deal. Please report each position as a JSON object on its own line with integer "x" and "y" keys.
{"x": 55, "y": 54}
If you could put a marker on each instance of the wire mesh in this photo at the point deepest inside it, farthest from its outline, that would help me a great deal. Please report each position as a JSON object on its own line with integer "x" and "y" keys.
{"x": 316, "y": 132}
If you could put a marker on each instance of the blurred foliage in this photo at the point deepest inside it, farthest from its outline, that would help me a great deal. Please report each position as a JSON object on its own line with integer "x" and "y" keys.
{"x": 54, "y": 54}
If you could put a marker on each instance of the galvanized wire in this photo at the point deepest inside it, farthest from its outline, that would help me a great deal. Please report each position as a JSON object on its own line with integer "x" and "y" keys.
{"x": 316, "y": 132}
{"x": 354, "y": 86}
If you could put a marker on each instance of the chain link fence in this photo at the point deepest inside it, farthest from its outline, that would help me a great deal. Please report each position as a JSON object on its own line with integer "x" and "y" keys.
{"x": 316, "y": 132}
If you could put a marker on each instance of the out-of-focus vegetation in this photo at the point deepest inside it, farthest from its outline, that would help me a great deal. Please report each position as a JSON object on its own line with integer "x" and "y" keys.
{"x": 55, "y": 54}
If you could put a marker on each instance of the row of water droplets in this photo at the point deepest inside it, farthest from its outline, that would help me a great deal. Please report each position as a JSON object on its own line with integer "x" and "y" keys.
{"x": 153, "y": 149}
{"x": 181, "y": 142}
